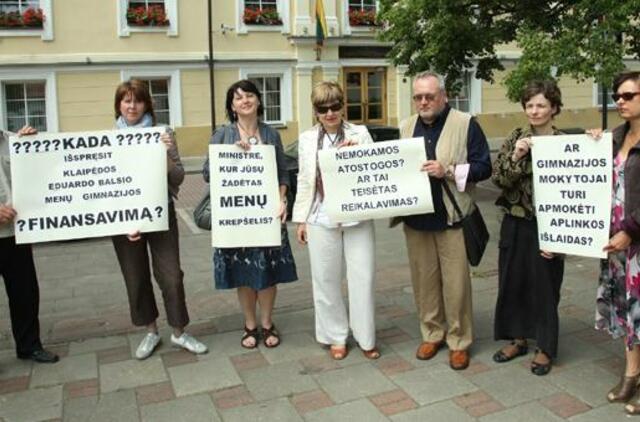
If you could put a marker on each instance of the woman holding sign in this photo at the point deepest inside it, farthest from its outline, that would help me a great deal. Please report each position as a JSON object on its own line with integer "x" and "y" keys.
{"x": 618, "y": 298}
{"x": 330, "y": 244}
{"x": 133, "y": 109}
{"x": 254, "y": 272}
{"x": 529, "y": 279}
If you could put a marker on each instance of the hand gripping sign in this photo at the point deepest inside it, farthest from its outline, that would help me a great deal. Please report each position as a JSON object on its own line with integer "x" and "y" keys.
{"x": 245, "y": 197}
{"x": 375, "y": 181}
{"x": 88, "y": 184}
{"x": 572, "y": 191}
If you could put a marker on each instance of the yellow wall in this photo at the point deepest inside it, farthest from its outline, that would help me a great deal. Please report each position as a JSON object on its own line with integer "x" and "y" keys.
{"x": 85, "y": 100}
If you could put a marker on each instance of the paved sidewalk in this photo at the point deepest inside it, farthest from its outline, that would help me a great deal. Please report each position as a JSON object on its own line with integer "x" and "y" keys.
{"x": 84, "y": 317}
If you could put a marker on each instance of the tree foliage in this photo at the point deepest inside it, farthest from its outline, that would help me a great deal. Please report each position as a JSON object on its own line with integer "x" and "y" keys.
{"x": 579, "y": 38}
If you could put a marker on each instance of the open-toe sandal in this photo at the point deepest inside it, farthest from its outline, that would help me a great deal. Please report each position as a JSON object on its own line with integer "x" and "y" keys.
{"x": 633, "y": 405}
{"x": 338, "y": 352}
{"x": 501, "y": 357}
{"x": 540, "y": 369}
{"x": 270, "y": 333}
{"x": 250, "y": 334}
{"x": 625, "y": 389}
{"x": 372, "y": 354}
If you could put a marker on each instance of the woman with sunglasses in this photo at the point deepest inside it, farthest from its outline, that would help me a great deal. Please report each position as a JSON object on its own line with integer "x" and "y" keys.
{"x": 618, "y": 297}
{"x": 331, "y": 244}
{"x": 529, "y": 278}
{"x": 254, "y": 272}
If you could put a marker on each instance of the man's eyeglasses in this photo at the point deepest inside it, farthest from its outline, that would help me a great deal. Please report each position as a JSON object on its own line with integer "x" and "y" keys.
{"x": 333, "y": 107}
{"x": 426, "y": 97}
{"x": 627, "y": 96}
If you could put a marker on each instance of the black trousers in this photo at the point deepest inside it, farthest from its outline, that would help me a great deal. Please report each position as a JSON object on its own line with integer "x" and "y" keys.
{"x": 20, "y": 281}
{"x": 529, "y": 287}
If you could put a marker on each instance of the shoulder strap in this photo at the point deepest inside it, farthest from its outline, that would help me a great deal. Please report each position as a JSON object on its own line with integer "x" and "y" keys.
{"x": 446, "y": 188}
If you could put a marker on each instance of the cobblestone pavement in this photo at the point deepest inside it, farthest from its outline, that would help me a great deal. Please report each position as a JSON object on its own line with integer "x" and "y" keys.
{"x": 84, "y": 317}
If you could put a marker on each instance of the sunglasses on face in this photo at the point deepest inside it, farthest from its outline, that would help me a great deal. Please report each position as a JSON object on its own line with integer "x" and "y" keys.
{"x": 325, "y": 109}
{"x": 426, "y": 97}
{"x": 627, "y": 96}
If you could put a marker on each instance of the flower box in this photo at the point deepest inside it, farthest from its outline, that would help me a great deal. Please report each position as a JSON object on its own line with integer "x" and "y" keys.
{"x": 266, "y": 16}
{"x": 362, "y": 17}
{"x": 31, "y": 18}
{"x": 147, "y": 16}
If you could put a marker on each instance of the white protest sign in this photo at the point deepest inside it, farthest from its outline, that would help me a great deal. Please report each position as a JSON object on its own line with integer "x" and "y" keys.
{"x": 245, "y": 196}
{"x": 375, "y": 181}
{"x": 572, "y": 191}
{"x": 88, "y": 184}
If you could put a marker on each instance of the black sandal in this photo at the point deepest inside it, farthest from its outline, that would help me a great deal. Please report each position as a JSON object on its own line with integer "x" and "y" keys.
{"x": 540, "y": 369}
{"x": 502, "y": 357}
{"x": 250, "y": 334}
{"x": 270, "y": 332}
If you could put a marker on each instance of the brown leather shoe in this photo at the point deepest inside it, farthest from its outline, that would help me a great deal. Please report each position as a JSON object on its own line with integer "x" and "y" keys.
{"x": 458, "y": 359}
{"x": 428, "y": 349}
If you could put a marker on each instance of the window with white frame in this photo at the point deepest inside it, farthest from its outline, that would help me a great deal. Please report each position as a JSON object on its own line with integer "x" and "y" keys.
{"x": 367, "y": 5}
{"x": 598, "y": 94}
{"x": 147, "y": 16}
{"x": 462, "y": 100}
{"x": 159, "y": 90}
{"x": 26, "y": 18}
{"x": 270, "y": 88}
{"x": 25, "y": 103}
{"x": 261, "y": 4}
{"x": 262, "y": 15}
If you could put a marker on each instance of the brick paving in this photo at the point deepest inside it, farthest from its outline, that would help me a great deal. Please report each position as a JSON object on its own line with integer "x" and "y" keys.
{"x": 85, "y": 318}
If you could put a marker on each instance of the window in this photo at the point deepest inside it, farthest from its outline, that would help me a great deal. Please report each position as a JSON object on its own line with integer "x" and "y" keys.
{"x": 159, "y": 90}
{"x": 598, "y": 100}
{"x": 367, "y": 5}
{"x": 165, "y": 89}
{"x": 25, "y": 103}
{"x": 462, "y": 100}
{"x": 261, "y": 4}
{"x": 274, "y": 81}
{"x": 262, "y": 15}
{"x": 269, "y": 87}
{"x": 365, "y": 90}
{"x": 26, "y": 18}
{"x": 147, "y": 16}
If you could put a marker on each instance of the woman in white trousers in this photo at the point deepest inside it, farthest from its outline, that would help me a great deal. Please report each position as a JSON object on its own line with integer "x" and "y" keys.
{"x": 335, "y": 247}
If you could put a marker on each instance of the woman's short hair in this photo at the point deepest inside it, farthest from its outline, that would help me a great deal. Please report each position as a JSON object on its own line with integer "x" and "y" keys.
{"x": 247, "y": 86}
{"x": 140, "y": 91}
{"x": 624, "y": 77}
{"x": 548, "y": 88}
{"x": 326, "y": 93}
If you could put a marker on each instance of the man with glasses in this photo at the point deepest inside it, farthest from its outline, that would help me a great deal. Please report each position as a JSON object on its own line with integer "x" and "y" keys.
{"x": 457, "y": 155}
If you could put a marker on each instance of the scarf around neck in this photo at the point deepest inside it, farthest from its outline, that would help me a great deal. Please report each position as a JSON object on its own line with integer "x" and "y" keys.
{"x": 145, "y": 121}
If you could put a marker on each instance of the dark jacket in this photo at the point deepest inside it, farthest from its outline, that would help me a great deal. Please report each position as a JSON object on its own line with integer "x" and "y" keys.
{"x": 631, "y": 222}
{"x": 229, "y": 134}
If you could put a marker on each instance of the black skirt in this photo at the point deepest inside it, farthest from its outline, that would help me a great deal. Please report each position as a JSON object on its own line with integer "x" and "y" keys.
{"x": 529, "y": 287}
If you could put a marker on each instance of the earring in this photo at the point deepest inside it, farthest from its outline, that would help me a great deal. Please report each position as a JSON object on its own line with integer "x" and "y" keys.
{"x": 234, "y": 115}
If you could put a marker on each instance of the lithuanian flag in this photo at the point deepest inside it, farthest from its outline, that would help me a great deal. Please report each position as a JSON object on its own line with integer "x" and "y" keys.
{"x": 321, "y": 24}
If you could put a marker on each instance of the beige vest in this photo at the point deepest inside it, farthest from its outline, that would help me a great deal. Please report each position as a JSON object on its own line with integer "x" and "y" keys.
{"x": 451, "y": 149}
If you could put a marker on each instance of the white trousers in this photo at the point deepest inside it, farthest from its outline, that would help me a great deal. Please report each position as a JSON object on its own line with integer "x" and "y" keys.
{"x": 329, "y": 251}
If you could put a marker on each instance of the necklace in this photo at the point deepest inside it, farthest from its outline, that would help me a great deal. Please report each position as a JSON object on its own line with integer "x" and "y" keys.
{"x": 334, "y": 139}
{"x": 251, "y": 138}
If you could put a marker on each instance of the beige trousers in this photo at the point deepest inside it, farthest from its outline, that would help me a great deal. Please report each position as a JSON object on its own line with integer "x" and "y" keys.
{"x": 441, "y": 285}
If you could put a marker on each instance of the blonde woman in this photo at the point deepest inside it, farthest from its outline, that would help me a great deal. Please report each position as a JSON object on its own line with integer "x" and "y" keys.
{"x": 331, "y": 244}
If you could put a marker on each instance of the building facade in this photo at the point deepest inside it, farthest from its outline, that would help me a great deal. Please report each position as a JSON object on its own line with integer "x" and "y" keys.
{"x": 60, "y": 62}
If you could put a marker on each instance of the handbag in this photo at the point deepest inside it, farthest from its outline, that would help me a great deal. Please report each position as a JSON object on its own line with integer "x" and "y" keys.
{"x": 202, "y": 212}
{"x": 474, "y": 230}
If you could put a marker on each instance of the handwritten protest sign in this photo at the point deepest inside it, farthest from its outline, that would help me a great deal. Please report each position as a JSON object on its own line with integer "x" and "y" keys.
{"x": 572, "y": 190}
{"x": 88, "y": 184}
{"x": 245, "y": 197}
{"x": 375, "y": 181}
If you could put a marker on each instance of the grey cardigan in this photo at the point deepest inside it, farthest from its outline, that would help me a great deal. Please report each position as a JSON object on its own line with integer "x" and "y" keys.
{"x": 229, "y": 134}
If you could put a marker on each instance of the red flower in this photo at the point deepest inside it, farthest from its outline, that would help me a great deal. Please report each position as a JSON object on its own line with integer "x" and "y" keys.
{"x": 147, "y": 16}
{"x": 256, "y": 16}
{"x": 30, "y": 18}
{"x": 362, "y": 17}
